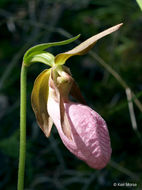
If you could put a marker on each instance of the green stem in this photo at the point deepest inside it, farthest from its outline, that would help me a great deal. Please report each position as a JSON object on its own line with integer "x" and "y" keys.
{"x": 22, "y": 150}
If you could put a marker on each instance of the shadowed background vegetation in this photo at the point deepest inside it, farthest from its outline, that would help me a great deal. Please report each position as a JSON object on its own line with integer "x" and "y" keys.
{"x": 110, "y": 78}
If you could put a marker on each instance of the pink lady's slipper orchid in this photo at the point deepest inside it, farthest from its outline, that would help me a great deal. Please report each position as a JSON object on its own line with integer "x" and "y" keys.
{"x": 82, "y": 130}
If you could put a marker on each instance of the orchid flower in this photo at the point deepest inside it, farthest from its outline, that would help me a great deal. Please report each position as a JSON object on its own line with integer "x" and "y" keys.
{"x": 82, "y": 130}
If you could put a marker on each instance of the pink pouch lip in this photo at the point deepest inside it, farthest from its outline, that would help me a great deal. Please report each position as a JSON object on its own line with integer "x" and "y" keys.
{"x": 92, "y": 147}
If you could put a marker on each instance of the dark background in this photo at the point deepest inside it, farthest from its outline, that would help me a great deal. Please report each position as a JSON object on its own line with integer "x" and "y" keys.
{"x": 103, "y": 76}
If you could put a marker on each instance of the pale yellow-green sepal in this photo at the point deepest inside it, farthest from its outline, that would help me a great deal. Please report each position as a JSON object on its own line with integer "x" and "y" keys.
{"x": 39, "y": 100}
{"x": 84, "y": 47}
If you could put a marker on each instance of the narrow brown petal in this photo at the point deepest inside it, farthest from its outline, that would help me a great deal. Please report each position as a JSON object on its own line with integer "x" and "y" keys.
{"x": 76, "y": 93}
{"x": 64, "y": 119}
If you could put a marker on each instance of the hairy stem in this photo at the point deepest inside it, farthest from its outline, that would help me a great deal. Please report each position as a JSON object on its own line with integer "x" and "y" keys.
{"x": 22, "y": 150}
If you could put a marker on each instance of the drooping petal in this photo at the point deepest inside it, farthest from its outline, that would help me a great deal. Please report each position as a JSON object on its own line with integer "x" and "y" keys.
{"x": 85, "y": 46}
{"x": 65, "y": 124}
{"x": 59, "y": 99}
{"x": 90, "y": 138}
{"x": 39, "y": 100}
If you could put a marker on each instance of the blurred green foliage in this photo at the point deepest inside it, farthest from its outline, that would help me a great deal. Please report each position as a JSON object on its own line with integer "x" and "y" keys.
{"x": 49, "y": 164}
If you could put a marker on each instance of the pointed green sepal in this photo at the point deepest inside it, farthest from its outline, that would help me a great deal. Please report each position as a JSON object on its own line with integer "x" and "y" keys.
{"x": 38, "y": 49}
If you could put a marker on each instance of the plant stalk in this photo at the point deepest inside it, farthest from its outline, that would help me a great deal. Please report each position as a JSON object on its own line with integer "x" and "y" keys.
{"x": 22, "y": 150}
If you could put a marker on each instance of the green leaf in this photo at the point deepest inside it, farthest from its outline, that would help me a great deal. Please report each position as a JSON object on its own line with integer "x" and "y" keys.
{"x": 41, "y": 47}
{"x": 139, "y": 3}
